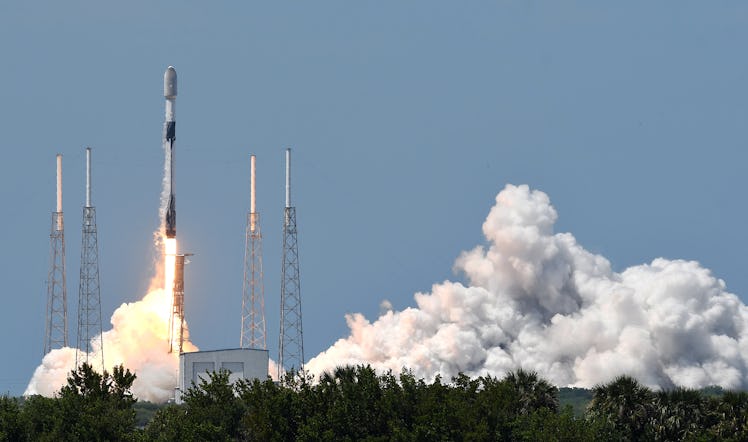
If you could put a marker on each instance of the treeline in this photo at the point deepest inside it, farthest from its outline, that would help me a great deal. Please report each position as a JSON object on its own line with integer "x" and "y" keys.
{"x": 355, "y": 403}
{"x": 91, "y": 407}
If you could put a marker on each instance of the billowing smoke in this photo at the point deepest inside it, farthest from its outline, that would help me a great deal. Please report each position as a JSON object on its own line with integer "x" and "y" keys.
{"x": 536, "y": 299}
{"x": 139, "y": 340}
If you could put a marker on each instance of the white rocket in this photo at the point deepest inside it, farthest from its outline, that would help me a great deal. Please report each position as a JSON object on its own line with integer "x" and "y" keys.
{"x": 170, "y": 134}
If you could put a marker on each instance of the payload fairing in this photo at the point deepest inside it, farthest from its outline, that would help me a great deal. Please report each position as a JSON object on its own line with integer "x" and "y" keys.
{"x": 170, "y": 134}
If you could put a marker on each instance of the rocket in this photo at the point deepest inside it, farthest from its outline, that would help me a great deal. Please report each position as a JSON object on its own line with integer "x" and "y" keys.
{"x": 170, "y": 94}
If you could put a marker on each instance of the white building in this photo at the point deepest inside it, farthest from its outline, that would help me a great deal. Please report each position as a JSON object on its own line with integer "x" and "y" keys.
{"x": 242, "y": 363}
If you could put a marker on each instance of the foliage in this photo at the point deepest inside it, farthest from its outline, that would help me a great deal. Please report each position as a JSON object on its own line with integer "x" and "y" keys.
{"x": 681, "y": 414}
{"x": 531, "y": 392}
{"x": 40, "y": 419}
{"x": 626, "y": 405}
{"x": 576, "y": 398}
{"x": 91, "y": 406}
{"x": 171, "y": 424}
{"x": 144, "y": 412}
{"x": 10, "y": 423}
{"x": 547, "y": 425}
{"x": 356, "y": 403}
{"x": 211, "y": 411}
{"x": 731, "y": 413}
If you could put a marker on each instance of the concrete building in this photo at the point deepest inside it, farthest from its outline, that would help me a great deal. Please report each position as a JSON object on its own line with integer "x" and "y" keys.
{"x": 242, "y": 363}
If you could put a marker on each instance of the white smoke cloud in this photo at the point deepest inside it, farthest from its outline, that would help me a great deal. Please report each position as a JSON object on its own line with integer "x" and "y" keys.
{"x": 536, "y": 299}
{"x": 139, "y": 340}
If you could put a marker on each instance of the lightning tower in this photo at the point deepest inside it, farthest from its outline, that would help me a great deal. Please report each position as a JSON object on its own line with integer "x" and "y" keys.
{"x": 89, "y": 293}
{"x": 291, "y": 347}
{"x": 56, "y": 333}
{"x": 253, "y": 296}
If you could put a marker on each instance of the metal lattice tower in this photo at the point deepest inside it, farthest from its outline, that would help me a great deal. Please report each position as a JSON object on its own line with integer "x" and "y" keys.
{"x": 176, "y": 321}
{"x": 56, "y": 333}
{"x": 253, "y": 296}
{"x": 89, "y": 291}
{"x": 291, "y": 348}
{"x": 177, "y": 312}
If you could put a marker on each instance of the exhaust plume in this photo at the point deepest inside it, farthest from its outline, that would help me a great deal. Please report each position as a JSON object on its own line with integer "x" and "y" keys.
{"x": 139, "y": 340}
{"x": 538, "y": 300}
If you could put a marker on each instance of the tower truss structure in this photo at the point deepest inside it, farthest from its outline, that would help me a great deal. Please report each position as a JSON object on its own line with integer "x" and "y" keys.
{"x": 291, "y": 347}
{"x": 89, "y": 288}
{"x": 56, "y": 330}
{"x": 253, "y": 333}
{"x": 176, "y": 321}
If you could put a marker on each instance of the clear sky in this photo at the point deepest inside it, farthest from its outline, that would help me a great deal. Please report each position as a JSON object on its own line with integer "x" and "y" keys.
{"x": 405, "y": 118}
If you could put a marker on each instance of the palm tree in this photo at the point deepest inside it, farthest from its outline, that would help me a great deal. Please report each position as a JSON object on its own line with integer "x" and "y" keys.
{"x": 732, "y": 415}
{"x": 532, "y": 392}
{"x": 680, "y": 413}
{"x": 625, "y": 404}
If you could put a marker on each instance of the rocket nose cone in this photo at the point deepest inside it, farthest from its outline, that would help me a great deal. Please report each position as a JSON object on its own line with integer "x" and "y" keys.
{"x": 170, "y": 82}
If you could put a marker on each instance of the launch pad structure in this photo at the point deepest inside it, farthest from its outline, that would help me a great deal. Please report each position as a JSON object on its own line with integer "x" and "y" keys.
{"x": 253, "y": 327}
{"x": 176, "y": 320}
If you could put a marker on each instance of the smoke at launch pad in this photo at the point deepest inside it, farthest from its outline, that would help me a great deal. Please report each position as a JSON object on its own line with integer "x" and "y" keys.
{"x": 534, "y": 299}
{"x": 538, "y": 300}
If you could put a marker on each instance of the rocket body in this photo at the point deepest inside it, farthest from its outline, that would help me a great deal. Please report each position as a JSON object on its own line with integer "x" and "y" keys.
{"x": 170, "y": 94}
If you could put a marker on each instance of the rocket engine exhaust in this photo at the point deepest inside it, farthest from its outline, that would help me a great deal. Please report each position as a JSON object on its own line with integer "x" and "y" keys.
{"x": 170, "y": 135}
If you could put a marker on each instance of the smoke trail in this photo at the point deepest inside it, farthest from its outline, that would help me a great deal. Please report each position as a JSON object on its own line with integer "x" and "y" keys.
{"x": 536, "y": 299}
{"x": 139, "y": 338}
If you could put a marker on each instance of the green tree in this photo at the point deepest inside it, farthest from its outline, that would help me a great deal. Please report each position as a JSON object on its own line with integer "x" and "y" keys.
{"x": 171, "y": 423}
{"x": 211, "y": 411}
{"x": 433, "y": 420}
{"x": 681, "y": 414}
{"x": 354, "y": 403}
{"x": 625, "y": 405}
{"x": 549, "y": 426}
{"x": 532, "y": 392}
{"x": 348, "y": 406}
{"x": 97, "y": 406}
{"x": 214, "y": 406}
{"x": 343, "y": 405}
{"x": 40, "y": 419}
{"x": 91, "y": 406}
{"x": 273, "y": 411}
{"x": 464, "y": 401}
{"x": 10, "y": 419}
{"x": 400, "y": 401}
{"x": 731, "y": 413}
{"x": 495, "y": 404}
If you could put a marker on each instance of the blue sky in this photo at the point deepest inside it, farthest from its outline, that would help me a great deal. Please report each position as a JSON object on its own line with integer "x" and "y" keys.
{"x": 405, "y": 118}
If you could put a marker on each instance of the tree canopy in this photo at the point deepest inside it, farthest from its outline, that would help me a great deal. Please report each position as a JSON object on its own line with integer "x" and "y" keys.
{"x": 356, "y": 403}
